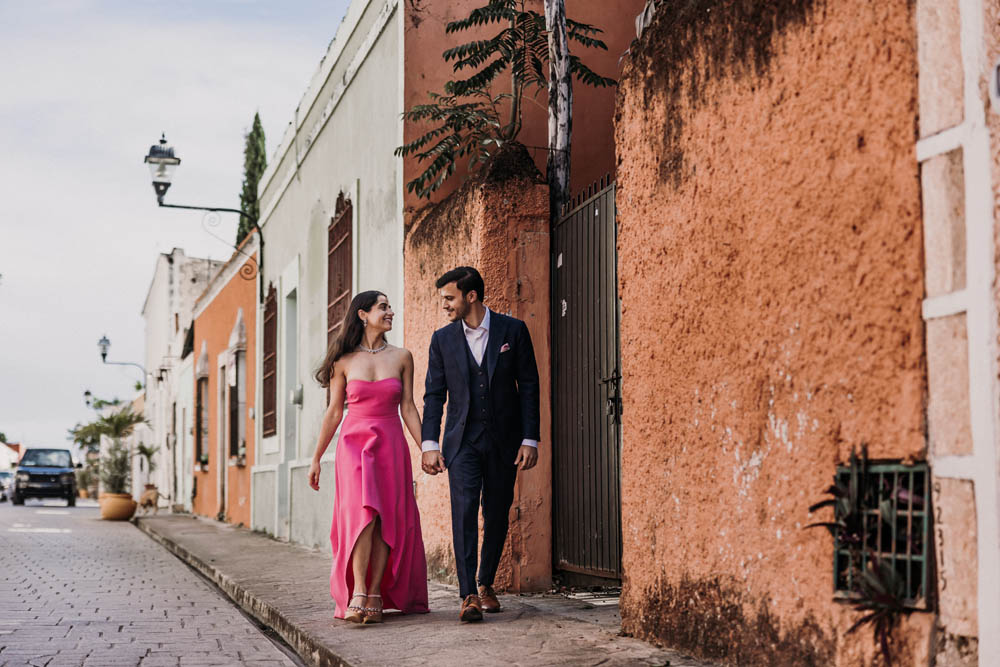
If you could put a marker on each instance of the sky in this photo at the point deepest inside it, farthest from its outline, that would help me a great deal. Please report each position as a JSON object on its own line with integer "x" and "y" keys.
{"x": 85, "y": 88}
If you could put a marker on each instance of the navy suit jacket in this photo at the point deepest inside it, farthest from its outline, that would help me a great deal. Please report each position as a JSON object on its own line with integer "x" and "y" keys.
{"x": 513, "y": 377}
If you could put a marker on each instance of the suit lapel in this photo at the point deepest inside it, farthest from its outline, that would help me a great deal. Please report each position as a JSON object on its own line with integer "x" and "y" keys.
{"x": 493, "y": 343}
{"x": 459, "y": 345}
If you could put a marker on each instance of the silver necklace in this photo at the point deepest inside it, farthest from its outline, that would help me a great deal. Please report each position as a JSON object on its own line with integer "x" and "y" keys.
{"x": 374, "y": 350}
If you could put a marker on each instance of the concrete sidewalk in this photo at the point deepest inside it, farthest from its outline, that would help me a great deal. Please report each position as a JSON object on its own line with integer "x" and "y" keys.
{"x": 286, "y": 587}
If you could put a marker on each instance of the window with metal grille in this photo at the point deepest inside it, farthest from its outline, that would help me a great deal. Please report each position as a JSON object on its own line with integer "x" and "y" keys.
{"x": 270, "y": 365}
{"x": 200, "y": 418}
{"x": 339, "y": 266}
{"x": 893, "y": 529}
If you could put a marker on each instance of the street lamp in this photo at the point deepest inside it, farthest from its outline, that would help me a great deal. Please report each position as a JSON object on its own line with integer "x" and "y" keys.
{"x": 162, "y": 163}
{"x": 104, "y": 345}
{"x": 87, "y": 396}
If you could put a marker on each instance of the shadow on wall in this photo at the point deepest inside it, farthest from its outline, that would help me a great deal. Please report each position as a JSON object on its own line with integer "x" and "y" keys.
{"x": 707, "y": 40}
{"x": 711, "y": 615}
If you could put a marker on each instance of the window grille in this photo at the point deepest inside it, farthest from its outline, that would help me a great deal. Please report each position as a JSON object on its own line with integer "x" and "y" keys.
{"x": 270, "y": 365}
{"x": 339, "y": 266}
{"x": 894, "y": 529}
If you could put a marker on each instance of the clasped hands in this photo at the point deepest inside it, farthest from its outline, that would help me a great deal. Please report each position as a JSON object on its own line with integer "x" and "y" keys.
{"x": 432, "y": 462}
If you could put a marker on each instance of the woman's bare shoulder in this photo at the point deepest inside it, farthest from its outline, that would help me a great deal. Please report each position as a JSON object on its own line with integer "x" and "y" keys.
{"x": 343, "y": 365}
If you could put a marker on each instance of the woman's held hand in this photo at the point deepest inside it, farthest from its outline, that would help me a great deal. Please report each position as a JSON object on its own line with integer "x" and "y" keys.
{"x": 314, "y": 475}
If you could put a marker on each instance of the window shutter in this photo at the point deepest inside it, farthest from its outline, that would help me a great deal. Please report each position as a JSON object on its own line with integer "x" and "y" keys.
{"x": 339, "y": 268}
{"x": 270, "y": 379}
{"x": 234, "y": 409}
{"x": 200, "y": 419}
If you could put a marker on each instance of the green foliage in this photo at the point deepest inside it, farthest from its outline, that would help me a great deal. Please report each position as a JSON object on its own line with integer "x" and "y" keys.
{"x": 881, "y": 592}
{"x": 87, "y": 436}
{"x": 148, "y": 452}
{"x": 471, "y": 120}
{"x": 117, "y": 425}
{"x": 116, "y": 468}
{"x": 878, "y": 591}
{"x": 120, "y": 424}
{"x": 3, "y": 437}
{"x": 85, "y": 478}
{"x": 847, "y": 501}
{"x": 100, "y": 403}
{"x": 254, "y": 164}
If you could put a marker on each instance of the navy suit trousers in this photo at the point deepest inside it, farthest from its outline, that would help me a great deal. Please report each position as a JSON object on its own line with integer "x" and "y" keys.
{"x": 480, "y": 474}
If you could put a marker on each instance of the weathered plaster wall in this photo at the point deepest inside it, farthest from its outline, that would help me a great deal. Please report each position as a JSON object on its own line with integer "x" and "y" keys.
{"x": 499, "y": 224}
{"x": 216, "y": 316}
{"x": 593, "y": 108}
{"x": 770, "y": 267}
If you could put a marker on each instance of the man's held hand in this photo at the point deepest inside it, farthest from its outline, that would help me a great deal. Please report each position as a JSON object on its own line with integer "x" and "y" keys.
{"x": 432, "y": 462}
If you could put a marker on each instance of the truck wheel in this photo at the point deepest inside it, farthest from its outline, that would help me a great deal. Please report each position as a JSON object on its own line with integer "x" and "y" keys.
{"x": 16, "y": 499}
{"x": 71, "y": 501}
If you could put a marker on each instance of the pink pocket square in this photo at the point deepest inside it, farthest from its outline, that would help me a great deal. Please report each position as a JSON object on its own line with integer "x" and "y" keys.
{"x": 504, "y": 347}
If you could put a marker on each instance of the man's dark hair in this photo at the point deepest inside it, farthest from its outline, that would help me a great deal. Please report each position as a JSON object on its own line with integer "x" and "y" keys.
{"x": 465, "y": 278}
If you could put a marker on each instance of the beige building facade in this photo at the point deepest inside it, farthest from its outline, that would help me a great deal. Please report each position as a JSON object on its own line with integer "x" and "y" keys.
{"x": 335, "y": 162}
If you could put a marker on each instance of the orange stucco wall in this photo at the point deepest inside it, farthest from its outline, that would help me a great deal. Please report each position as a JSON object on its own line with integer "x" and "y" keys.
{"x": 593, "y": 110}
{"x": 500, "y": 227}
{"x": 213, "y": 327}
{"x": 770, "y": 268}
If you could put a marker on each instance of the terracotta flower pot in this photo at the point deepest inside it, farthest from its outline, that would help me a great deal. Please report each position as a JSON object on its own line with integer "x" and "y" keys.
{"x": 117, "y": 506}
{"x": 83, "y": 493}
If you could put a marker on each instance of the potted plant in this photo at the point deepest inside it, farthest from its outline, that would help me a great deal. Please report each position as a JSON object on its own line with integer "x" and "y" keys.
{"x": 239, "y": 459}
{"x": 116, "y": 473}
{"x": 148, "y": 452}
{"x": 83, "y": 482}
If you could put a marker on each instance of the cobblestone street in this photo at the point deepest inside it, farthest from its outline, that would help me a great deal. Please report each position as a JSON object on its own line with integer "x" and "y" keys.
{"x": 76, "y": 590}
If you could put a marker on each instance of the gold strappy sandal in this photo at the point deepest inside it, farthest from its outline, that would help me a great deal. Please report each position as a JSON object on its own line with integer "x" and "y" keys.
{"x": 356, "y": 614}
{"x": 373, "y": 614}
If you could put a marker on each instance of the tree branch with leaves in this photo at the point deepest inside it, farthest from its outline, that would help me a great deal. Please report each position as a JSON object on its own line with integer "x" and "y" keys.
{"x": 470, "y": 120}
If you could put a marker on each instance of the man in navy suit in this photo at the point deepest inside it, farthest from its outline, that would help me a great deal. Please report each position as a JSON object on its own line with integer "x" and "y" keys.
{"x": 484, "y": 365}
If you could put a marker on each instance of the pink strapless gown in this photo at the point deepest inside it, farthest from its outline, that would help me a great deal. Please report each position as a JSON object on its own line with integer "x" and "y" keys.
{"x": 373, "y": 477}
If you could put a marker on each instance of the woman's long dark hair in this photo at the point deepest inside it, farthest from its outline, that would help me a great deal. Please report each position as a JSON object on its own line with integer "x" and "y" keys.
{"x": 352, "y": 330}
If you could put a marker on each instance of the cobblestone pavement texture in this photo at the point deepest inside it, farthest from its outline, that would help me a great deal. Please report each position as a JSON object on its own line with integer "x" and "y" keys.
{"x": 287, "y": 587}
{"x": 75, "y": 590}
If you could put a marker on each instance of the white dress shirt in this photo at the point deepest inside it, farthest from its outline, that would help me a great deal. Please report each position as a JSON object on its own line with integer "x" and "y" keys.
{"x": 477, "y": 339}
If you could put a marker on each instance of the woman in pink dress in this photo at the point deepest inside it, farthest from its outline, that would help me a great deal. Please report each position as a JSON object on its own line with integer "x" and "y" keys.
{"x": 378, "y": 552}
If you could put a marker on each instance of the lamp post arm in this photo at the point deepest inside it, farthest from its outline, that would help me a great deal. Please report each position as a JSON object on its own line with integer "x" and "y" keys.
{"x": 258, "y": 265}
{"x": 128, "y": 363}
{"x": 208, "y": 208}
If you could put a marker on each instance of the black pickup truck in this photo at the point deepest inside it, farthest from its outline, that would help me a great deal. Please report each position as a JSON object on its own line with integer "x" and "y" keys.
{"x": 45, "y": 473}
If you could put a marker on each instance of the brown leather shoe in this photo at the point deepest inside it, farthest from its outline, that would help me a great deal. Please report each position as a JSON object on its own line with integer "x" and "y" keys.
{"x": 489, "y": 599}
{"x": 472, "y": 609}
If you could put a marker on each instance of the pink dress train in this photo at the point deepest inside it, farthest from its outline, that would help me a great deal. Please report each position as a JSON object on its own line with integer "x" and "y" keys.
{"x": 374, "y": 478}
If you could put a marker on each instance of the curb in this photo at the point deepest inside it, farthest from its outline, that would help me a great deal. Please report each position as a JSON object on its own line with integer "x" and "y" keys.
{"x": 305, "y": 645}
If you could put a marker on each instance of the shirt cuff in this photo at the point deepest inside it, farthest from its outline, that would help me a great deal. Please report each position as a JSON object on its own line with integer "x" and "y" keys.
{"x": 430, "y": 446}
{"x": 529, "y": 443}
